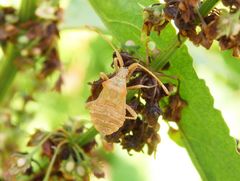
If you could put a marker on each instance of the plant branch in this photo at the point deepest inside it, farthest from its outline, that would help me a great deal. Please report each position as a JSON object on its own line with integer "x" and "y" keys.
{"x": 87, "y": 136}
{"x": 49, "y": 169}
{"x": 9, "y": 69}
{"x": 163, "y": 59}
{"x": 27, "y": 10}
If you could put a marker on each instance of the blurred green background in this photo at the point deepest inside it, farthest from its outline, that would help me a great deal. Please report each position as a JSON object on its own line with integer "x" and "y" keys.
{"x": 84, "y": 54}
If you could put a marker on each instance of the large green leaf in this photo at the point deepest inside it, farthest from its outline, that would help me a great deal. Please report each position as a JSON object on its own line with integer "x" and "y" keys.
{"x": 202, "y": 127}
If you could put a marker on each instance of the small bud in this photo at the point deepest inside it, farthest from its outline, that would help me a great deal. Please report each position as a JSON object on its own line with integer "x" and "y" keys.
{"x": 21, "y": 162}
{"x": 156, "y": 13}
{"x": 46, "y": 11}
{"x": 130, "y": 43}
{"x": 36, "y": 51}
{"x": 23, "y": 39}
{"x": 80, "y": 170}
{"x": 24, "y": 52}
{"x": 151, "y": 45}
{"x": 11, "y": 18}
{"x": 70, "y": 166}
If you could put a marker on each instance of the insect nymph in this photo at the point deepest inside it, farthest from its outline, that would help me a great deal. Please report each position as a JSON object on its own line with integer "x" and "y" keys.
{"x": 108, "y": 111}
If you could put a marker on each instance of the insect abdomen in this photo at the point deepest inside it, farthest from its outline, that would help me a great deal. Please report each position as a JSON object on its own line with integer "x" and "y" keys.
{"x": 106, "y": 119}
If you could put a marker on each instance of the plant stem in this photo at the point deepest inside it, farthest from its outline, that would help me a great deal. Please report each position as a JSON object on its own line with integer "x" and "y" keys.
{"x": 87, "y": 136}
{"x": 49, "y": 169}
{"x": 207, "y": 6}
{"x": 163, "y": 59}
{"x": 27, "y": 10}
{"x": 9, "y": 69}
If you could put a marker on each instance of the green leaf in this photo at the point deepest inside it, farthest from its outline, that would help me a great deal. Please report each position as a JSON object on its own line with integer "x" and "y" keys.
{"x": 78, "y": 13}
{"x": 202, "y": 128}
{"x": 204, "y": 132}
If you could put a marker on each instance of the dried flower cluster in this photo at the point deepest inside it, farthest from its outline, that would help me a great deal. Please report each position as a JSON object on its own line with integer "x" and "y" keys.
{"x": 220, "y": 25}
{"x": 135, "y": 134}
{"x": 67, "y": 159}
{"x": 11, "y": 121}
{"x": 172, "y": 111}
{"x": 154, "y": 19}
{"x": 34, "y": 39}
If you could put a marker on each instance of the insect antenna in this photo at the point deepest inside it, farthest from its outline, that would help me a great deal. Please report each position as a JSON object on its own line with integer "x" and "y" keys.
{"x": 133, "y": 66}
{"x": 119, "y": 57}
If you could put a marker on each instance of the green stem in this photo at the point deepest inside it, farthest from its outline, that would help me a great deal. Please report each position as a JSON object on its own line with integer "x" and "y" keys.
{"x": 27, "y": 10}
{"x": 9, "y": 69}
{"x": 163, "y": 59}
{"x": 87, "y": 136}
{"x": 48, "y": 173}
{"x": 207, "y": 6}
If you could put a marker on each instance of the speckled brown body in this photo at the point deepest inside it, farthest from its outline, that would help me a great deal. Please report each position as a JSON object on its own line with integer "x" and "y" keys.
{"x": 109, "y": 109}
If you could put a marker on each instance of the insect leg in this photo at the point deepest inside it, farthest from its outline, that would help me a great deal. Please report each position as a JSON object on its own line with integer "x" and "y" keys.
{"x": 115, "y": 63}
{"x": 132, "y": 112}
{"x": 134, "y": 66}
{"x": 139, "y": 86}
{"x": 103, "y": 76}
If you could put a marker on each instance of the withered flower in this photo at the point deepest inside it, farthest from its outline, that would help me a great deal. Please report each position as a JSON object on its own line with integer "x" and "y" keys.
{"x": 228, "y": 24}
{"x": 229, "y": 37}
{"x": 35, "y": 39}
{"x": 135, "y": 134}
{"x": 70, "y": 160}
{"x": 20, "y": 163}
{"x": 173, "y": 111}
{"x": 67, "y": 167}
{"x": 46, "y": 11}
{"x": 154, "y": 19}
{"x": 36, "y": 138}
{"x": 204, "y": 30}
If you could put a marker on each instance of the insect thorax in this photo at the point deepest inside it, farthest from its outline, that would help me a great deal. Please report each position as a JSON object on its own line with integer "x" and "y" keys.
{"x": 122, "y": 73}
{"x": 119, "y": 80}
